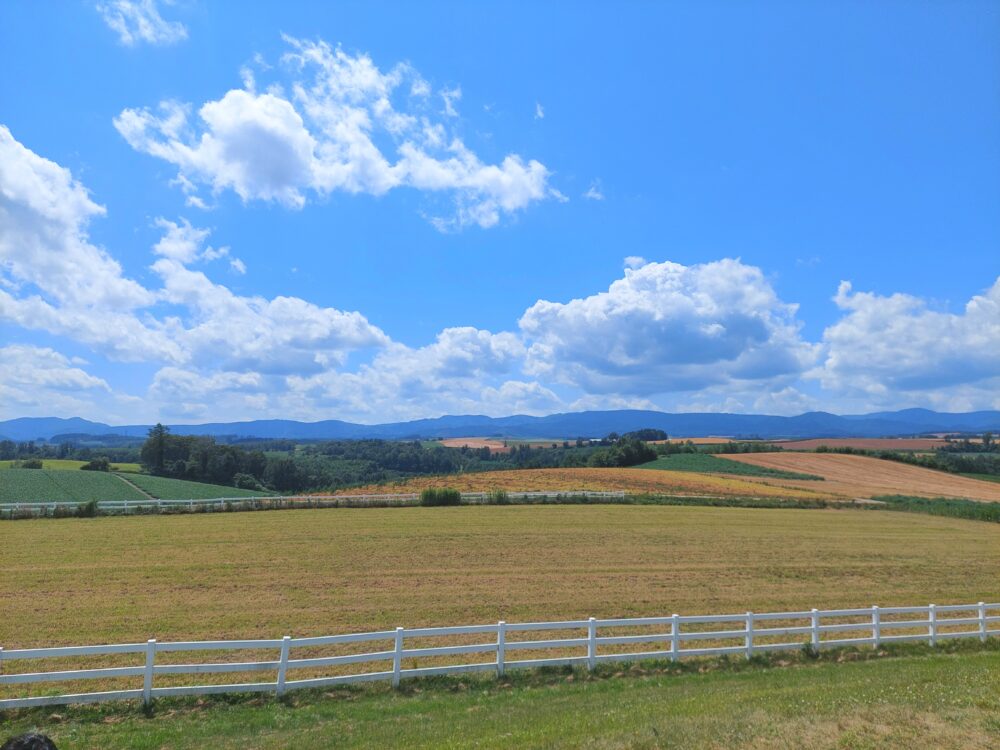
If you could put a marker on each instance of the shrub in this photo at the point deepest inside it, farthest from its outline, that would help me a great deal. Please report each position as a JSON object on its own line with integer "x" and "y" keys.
{"x": 98, "y": 464}
{"x": 499, "y": 497}
{"x": 246, "y": 481}
{"x": 440, "y": 496}
{"x": 28, "y": 463}
{"x": 88, "y": 509}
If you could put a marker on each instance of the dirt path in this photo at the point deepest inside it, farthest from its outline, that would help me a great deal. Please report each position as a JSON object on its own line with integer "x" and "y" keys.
{"x": 136, "y": 487}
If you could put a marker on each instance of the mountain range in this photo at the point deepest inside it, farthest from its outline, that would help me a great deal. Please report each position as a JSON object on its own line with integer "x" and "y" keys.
{"x": 555, "y": 426}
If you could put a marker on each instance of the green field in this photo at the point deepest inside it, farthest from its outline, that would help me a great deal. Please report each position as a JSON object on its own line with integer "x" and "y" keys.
{"x": 942, "y": 700}
{"x": 706, "y": 463}
{"x": 984, "y": 477}
{"x": 65, "y": 463}
{"x": 181, "y": 489}
{"x": 39, "y": 485}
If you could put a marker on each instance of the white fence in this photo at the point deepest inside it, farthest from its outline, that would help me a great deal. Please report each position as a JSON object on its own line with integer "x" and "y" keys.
{"x": 711, "y": 635}
{"x": 11, "y": 510}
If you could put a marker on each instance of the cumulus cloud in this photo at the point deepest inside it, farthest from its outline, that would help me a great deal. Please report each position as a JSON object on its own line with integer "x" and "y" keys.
{"x": 56, "y": 280}
{"x": 890, "y": 349}
{"x": 667, "y": 327}
{"x": 138, "y": 21}
{"x": 343, "y": 125}
{"x": 39, "y": 381}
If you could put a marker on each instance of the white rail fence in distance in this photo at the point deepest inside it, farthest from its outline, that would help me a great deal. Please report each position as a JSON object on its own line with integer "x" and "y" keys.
{"x": 680, "y": 636}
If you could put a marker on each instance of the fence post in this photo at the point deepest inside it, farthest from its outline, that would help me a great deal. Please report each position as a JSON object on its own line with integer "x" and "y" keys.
{"x": 748, "y": 640}
{"x": 675, "y": 640}
{"x": 279, "y": 688}
{"x": 982, "y": 622}
{"x": 876, "y": 626}
{"x": 932, "y": 626}
{"x": 147, "y": 677}
{"x": 397, "y": 657}
{"x": 591, "y": 644}
{"x": 814, "y": 624}
{"x": 501, "y": 646}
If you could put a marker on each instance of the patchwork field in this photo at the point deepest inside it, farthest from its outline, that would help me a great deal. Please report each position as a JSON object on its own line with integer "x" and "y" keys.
{"x": 181, "y": 489}
{"x": 495, "y": 445}
{"x": 712, "y": 464}
{"x": 63, "y": 464}
{"x": 38, "y": 485}
{"x": 889, "y": 444}
{"x": 862, "y": 476}
{"x": 313, "y": 572}
{"x": 633, "y": 480}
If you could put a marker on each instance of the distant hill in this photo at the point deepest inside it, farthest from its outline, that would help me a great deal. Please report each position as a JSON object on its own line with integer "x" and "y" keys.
{"x": 555, "y": 426}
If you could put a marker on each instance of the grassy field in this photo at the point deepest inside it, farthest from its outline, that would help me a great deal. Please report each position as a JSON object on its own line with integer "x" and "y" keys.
{"x": 315, "y": 572}
{"x": 63, "y": 464}
{"x": 37, "y": 485}
{"x": 633, "y": 480}
{"x": 945, "y": 700}
{"x": 709, "y": 464}
{"x": 863, "y": 476}
{"x": 181, "y": 489}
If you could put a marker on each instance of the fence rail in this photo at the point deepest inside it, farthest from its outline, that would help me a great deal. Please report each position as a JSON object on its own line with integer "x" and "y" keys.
{"x": 278, "y": 501}
{"x": 711, "y": 635}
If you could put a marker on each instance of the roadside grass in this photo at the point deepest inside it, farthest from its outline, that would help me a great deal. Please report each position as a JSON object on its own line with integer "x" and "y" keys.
{"x": 711, "y": 464}
{"x": 165, "y": 488}
{"x": 901, "y": 696}
{"x": 64, "y": 464}
{"x": 320, "y": 572}
{"x": 39, "y": 485}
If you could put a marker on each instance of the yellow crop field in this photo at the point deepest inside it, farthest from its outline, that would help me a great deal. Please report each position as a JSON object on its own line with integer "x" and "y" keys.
{"x": 633, "y": 481}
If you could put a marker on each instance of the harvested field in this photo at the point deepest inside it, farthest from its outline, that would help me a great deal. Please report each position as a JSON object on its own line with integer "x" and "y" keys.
{"x": 495, "y": 445}
{"x": 315, "y": 572}
{"x": 873, "y": 444}
{"x": 862, "y": 476}
{"x": 700, "y": 440}
{"x": 635, "y": 481}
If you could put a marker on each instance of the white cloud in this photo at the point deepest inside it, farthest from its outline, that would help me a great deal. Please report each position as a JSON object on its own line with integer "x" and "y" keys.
{"x": 666, "y": 328}
{"x": 56, "y": 280}
{"x": 594, "y": 192}
{"x": 140, "y": 21}
{"x": 539, "y": 111}
{"x": 321, "y": 138}
{"x": 895, "y": 351}
{"x": 238, "y": 266}
{"x": 635, "y": 261}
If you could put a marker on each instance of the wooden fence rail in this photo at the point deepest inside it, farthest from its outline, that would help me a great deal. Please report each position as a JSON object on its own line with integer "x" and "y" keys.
{"x": 678, "y": 637}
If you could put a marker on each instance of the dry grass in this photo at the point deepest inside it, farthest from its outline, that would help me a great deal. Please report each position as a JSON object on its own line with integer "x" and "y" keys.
{"x": 630, "y": 480}
{"x": 317, "y": 572}
{"x": 862, "y": 476}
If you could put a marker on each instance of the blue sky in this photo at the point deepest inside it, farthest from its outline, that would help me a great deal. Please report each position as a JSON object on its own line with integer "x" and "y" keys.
{"x": 378, "y": 211}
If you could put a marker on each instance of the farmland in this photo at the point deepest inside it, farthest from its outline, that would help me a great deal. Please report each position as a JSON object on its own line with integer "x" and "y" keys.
{"x": 35, "y": 485}
{"x": 312, "y": 572}
{"x": 180, "y": 489}
{"x": 711, "y": 464}
{"x": 862, "y": 476}
{"x": 494, "y": 444}
{"x": 63, "y": 464}
{"x": 651, "y": 481}
{"x": 941, "y": 700}
{"x": 875, "y": 444}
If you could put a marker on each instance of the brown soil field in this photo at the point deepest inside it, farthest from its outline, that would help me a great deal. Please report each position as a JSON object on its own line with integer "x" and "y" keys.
{"x": 629, "y": 480}
{"x": 495, "y": 446}
{"x": 897, "y": 444}
{"x": 701, "y": 440}
{"x": 862, "y": 476}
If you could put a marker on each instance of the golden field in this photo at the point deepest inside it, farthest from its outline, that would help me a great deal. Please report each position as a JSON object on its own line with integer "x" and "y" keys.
{"x": 633, "y": 481}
